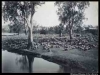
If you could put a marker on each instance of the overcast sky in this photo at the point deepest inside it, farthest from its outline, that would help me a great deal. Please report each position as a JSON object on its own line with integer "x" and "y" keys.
{"x": 46, "y": 14}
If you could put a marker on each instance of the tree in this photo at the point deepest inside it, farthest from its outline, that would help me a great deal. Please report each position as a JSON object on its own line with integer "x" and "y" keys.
{"x": 56, "y": 29}
{"x": 79, "y": 29}
{"x": 16, "y": 27}
{"x": 51, "y": 30}
{"x": 60, "y": 29}
{"x": 71, "y": 13}
{"x": 24, "y": 10}
{"x": 43, "y": 30}
{"x": 35, "y": 27}
{"x": 10, "y": 27}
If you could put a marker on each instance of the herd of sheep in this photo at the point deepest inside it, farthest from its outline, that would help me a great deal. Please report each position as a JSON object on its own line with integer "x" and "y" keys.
{"x": 82, "y": 43}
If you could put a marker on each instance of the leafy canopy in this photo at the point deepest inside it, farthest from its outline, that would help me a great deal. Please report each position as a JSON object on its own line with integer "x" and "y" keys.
{"x": 71, "y": 12}
{"x": 15, "y": 10}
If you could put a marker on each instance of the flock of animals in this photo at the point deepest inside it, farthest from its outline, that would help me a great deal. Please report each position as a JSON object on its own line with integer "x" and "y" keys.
{"x": 82, "y": 43}
{"x": 77, "y": 43}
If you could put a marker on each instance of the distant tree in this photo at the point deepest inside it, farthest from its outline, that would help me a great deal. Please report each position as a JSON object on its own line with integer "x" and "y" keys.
{"x": 43, "y": 31}
{"x": 51, "y": 30}
{"x": 16, "y": 27}
{"x": 60, "y": 29}
{"x": 88, "y": 27}
{"x": 71, "y": 13}
{"x": 24, "y": 10}
{"x": 56, "y": 29}
{"x": 35, "y": 27}
{"x": 91, "y": 29}
{"x": 10, "y": 27}
{"x": 79, "y": 29}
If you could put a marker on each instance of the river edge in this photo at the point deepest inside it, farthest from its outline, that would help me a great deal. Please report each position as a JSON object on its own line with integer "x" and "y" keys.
{"x": 71, "y": 62}
{"x": 87, "y": 61}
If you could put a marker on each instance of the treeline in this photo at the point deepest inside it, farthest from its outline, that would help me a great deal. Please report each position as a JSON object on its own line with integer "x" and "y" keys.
{"x": 49, "y": 30}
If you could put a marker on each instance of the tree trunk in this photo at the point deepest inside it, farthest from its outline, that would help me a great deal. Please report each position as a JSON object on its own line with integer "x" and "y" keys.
{"x": 30, "y": 29}
{"x": 25, "y": 32}
{"x": 70, "y": 33}
{"x": 30, "y": 38}
{"x": 60, "y": 35}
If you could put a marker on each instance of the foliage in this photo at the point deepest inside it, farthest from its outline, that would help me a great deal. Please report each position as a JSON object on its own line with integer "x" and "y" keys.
{"x": 19, "y": 11}
{"x": 43, "y": 31}
{"x": 16, "y": 27}
{"x": 71, "y": 13}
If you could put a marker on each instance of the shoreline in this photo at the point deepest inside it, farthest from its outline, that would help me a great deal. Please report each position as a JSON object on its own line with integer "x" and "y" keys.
{"x": 85, "y": 60}
{"x": 52, "y": 57}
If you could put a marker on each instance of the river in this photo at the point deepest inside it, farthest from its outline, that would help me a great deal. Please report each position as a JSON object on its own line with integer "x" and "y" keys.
{"x": 16, "y": 63}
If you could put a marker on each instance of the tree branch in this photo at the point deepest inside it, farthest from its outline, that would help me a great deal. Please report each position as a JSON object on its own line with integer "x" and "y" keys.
{"x": 32, "y": 12}
{"x": 25, "y": 20}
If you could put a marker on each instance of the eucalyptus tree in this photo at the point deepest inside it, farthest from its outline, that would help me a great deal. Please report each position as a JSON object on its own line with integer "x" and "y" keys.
{"x": 71, "y": 13}
{"x": 21, "y": 10}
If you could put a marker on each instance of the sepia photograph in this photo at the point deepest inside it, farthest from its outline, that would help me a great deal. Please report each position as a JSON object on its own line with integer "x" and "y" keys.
{"x": 49, "y": 36}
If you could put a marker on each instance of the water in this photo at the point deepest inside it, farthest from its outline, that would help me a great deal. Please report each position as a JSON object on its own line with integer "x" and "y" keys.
{"x": 15, "y": 63}
{"x": 9, "y": 33}
{"x": 20, "y": 63}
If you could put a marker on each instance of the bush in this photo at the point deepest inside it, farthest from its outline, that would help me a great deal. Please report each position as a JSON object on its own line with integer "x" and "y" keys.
{"x": 43, "y": 31}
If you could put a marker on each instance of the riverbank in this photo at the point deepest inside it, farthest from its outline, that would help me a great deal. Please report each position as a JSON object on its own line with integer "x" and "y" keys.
{"x": 77, "y": 61}
{"x": 87, "y": 61}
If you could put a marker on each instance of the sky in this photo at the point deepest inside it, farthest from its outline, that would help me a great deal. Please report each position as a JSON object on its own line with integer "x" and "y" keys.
{"x": 92, "y": 14}
{"x": 46, "y": 15}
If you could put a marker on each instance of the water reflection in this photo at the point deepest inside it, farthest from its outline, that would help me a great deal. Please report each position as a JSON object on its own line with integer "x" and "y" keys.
{"x": 63, "y": 69}
{"x": 30, "y": 60}
{"x": 39, "y": 65}
{"x": 25, "y": 62}
{"x": 15, "y": 63}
